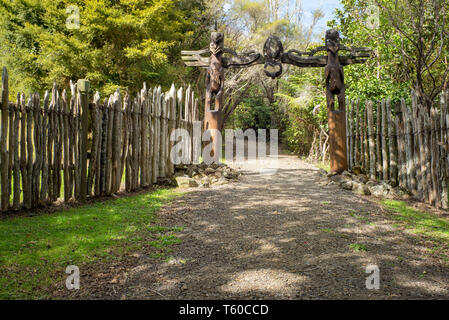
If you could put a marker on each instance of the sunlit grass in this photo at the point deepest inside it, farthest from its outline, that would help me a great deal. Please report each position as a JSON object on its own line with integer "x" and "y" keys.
{"x": 34, "y": 251}
{"x": 418, "y": 222}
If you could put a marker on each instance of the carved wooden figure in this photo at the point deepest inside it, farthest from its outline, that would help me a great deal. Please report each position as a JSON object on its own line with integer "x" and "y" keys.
{"x": 273, "y": 58}
{"x": 214, "y": 83}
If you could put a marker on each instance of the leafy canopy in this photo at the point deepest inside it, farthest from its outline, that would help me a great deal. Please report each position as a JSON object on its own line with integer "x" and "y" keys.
{"x": 119, "y": 42}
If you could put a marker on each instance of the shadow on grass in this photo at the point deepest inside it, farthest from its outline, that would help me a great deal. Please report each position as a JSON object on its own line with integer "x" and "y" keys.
{"x": 36, "y": 250}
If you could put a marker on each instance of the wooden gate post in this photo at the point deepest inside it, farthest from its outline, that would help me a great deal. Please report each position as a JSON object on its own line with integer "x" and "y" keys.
{"x": 214, "y": 89}
{"x": 337, "y": 141}
{"x": 84, "y": 88}
{"x": 335, "y": 86}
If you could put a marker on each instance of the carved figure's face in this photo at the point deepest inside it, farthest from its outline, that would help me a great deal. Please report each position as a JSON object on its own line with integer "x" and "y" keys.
{"x": 217, "y": 42}
{"x": 333, "y": 40}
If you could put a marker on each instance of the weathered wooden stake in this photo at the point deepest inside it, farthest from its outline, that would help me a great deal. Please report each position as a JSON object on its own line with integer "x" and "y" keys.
{"x": 5, "y": 187}
{"x": 84, "y": 88}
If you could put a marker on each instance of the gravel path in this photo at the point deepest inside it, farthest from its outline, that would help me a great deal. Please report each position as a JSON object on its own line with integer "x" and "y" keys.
{"x": 284, "y": 236}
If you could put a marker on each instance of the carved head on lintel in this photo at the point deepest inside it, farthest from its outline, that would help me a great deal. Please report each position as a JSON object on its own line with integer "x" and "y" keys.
{"x": 333, "y": 40}
{"x": 216, "y": 43}
{"x": 273, "y": 51}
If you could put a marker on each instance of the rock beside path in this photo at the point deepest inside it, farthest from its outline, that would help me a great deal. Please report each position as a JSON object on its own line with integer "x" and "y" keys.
{"x": 360, "y": 184}
{"x": 203, "y": 175}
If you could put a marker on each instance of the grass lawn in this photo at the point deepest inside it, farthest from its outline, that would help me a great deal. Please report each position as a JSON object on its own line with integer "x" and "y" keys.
{"x": 426, "y": 224}
{"x": 419, "y": 222}
{"x": 35, "y": 251}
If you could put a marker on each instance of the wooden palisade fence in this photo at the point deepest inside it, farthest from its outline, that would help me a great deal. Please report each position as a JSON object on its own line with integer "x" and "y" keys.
{"x": 406, "y": 146}
{"x": 41, "y": 143}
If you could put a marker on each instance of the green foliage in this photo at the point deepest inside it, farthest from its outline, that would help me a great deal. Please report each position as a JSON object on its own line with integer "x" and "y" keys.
{"x": 36, "y": 250}
{"x": 390, "y": 73}
{"x": 381, "y": 76}
{"x": 119, "y": 43}
{"x": 252, "y": 113}
{"x": 306, "y": 108}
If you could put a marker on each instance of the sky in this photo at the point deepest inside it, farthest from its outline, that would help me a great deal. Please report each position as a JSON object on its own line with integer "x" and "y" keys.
{"x": 308, "y": 6}
{"x": 327, "y": 6}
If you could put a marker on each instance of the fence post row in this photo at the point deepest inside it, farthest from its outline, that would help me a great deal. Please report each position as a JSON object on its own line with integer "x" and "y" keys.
{"x": 44, "y": 148}
{"x": 405, "y": 145}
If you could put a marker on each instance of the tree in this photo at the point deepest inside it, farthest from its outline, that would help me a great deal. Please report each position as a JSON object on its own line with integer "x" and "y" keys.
{"x": 409, "y": 40}
{"x": 421, "y": 26}
{"x": 118, "y": 43}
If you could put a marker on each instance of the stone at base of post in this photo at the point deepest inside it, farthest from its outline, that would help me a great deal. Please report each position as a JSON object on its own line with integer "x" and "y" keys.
{"x": 337, "y": 141}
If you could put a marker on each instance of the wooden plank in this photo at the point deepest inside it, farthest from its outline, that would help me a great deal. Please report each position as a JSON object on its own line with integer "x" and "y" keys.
{"x": 443, "y": 151}
{"x": 45, "y": 165}
{"x": 144, "y": 137}
{"x": 348, "y": 152}
{"x": 156, "y": 135}
{"x": 93, "y": 163}
{"x": 362, "y": 140}
{"x": 424, "y": 193}
{"x": 427, "y": 149}
{"x": 159, "y": 130}
{"x": 150, "y": 137}
{"x": 110, "y": 111}
{"x": 411, "y": 171}
{"x": 99, "y": 107}
{"x": 57, "y": 149}
{"x": 66, "y": 132}
{"x": 171, "y": 128}
{"x": 72, "y": 137}
{"x": 60, "y": 119}
{"x": 116, "y": 142}
{"x": 124, "y": 165}
{"x": 446, "y": 116}
{"x": 436, "y": 194}
{"x": 104, "y": 145}
{"x": 164, "y": 130}
{"x": 392, "y": 145}
{"x": 416, "y": 151}
{"x": 365, "y": 142}
{"x": 385, "y": 158}
{"x": 76, "y": 147}
{"x": 5, "y": 183}
{"x": 351, "y": 134}
{"x": 10, "y": 145}
{"x": 357, "y": 138}
{"x": 372, "y": 147}
{"x": 379, "y": 140}
{"x": 400, "y": 160}
{"x": 129, "y": 167}
{"x": 36, "y": 177}
{"x": 136, "y": 143}
{"x": 187, "y": 113}
{"x": 15, "y": 133}
{"x": 30, "y": 153}
{"x": 23, "y": 148}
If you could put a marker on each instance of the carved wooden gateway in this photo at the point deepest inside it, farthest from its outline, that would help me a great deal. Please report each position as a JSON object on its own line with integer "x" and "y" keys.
{"x": 273, "y": 58}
